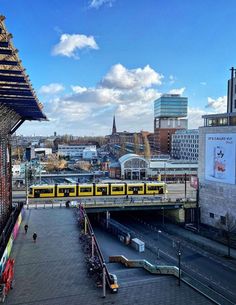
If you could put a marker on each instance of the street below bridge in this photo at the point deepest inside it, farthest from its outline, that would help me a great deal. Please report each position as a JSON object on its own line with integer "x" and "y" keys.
{"x": 214, "y": 271}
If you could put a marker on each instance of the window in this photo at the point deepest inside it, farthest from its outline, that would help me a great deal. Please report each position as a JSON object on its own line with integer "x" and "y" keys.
{"x": 223, "y": 220}
{"x": 153, "y": 187}
{"x": 66, "y": 190}
{"x": 101, "y": 189}
{"x": 135, "y": 188}
{"x": 85, "y": 189}
{"x": 235, "y": 104}
{"x": 117, "y": 188}
{"x": 43, "y": 191}
{"x": 212, "y": 215}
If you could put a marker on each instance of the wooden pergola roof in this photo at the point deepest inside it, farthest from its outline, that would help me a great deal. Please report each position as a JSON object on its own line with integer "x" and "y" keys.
{"x": 16, "y": 92}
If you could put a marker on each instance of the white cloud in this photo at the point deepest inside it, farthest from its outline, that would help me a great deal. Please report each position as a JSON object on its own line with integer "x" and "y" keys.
{"x": 218, "y": 105}
{"x": 89, "y": 110}
{"x": 98, "y": 3}
{"x": 195, "y": 117}
{"x": 129, "y": 94}
{"x": 78, "y": 89}
{"x": 172, "y": 79}
{"x": 53, "y": 88}
{"x": 203, "y": 83}
{"x": 177, "y": 91}
{"x": 120, "y": 77}
{"x": 70, "y": 44}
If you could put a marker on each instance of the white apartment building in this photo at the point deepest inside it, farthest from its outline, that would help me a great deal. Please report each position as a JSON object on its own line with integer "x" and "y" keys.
{"x": 184, "y": 145}
{"x": 80, "y": 151}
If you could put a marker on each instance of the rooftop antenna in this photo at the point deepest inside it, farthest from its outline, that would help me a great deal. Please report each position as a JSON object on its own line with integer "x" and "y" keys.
{"x": 230, "y": 101}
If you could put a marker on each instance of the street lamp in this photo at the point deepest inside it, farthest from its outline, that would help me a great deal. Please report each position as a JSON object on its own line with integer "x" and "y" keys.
{"x": 163, "y": 216}
{"x": 158, "y": 249}
{"x": 165, "y": 172}
{"x": 185, "y": 187}
{"x": 179, "y": 256}
{"x": 179, "y": 260}
{"x": 177, "y": 246}
{"x": 26, "y": 185}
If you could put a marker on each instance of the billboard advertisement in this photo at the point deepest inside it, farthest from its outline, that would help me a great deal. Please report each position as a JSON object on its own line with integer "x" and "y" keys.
{"x": 220, "y": 155}
{"x": 194, "y": 182}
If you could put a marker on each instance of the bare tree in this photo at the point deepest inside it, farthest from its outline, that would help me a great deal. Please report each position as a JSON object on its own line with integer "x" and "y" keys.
{"x": 55, "y": 163}
{"x": 122, "y": 147}
{"x": 147, "y": 151}
{"x": 136, "y": 144}
{"x": 228, "y": 225}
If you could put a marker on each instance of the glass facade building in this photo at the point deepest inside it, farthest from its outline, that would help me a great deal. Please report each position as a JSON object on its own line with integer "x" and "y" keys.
{"x": 171, "y": 105}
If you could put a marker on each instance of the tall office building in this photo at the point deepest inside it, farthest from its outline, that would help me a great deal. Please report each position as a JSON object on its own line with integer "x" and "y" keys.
{"x": 170, "y": 114}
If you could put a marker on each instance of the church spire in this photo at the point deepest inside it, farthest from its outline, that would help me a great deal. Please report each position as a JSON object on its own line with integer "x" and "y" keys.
{"x": 114, "y": 125}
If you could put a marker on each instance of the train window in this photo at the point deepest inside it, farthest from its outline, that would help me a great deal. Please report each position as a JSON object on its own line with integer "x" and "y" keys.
{"x": 101, "y": 189}
{"x": 30, "y": 191}
{"x": 135, "y": 188}
{"x": 66, "y": 190}
{"x": 43, "y": 191}
{"x": 85, "y": 189}
{"x": 117, "y": 188}
{"x": 153, "y": 187}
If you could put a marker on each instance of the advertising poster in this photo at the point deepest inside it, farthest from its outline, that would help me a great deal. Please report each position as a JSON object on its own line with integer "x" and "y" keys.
{"x": 220, "y": 157}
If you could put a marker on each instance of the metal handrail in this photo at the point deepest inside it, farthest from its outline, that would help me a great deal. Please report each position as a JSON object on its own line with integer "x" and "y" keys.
{"x": 99, "y": 252}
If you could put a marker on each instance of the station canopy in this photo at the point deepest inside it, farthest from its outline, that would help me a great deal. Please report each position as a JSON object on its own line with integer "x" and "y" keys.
{"x": 18, "y": 101}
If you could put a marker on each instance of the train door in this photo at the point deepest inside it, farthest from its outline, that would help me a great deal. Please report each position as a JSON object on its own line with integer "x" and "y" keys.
{"x": 36, "y": 193}
{"x": 135, "y": 191}
{"x": 104, "y": 191}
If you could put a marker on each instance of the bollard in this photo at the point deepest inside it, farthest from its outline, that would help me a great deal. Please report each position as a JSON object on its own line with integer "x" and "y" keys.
{"x": 44, "y": 205}
{"x": 52, "y": 205}
{"x": 103, "y": 280}
{"x": 60, "y": 204}
{"x": 36, "y": 206}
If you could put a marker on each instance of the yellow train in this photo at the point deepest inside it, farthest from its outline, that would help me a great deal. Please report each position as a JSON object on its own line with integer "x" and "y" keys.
{"x": 96, "y": 189}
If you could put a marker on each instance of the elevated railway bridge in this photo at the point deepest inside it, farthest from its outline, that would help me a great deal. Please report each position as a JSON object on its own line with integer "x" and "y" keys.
{"x": 174, "y": 208}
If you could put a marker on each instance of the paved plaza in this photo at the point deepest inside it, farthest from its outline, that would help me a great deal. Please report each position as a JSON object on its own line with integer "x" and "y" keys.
{"x": 52, "y": 270}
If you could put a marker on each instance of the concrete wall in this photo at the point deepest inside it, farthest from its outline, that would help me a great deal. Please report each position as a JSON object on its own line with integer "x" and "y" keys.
{"x": 214, "y": 197}
{"x": 176, "y": 215}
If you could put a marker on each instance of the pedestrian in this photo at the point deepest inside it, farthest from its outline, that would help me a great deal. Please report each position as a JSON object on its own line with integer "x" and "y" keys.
{"x": 34, "y": 237}
{"x": 26, "y": 228}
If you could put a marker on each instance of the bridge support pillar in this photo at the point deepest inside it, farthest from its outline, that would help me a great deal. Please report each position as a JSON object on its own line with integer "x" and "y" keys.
{"x": 177, "y": 215}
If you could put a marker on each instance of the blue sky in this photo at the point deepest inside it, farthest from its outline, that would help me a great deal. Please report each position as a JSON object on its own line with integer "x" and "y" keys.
{"x": 89, "y": 59}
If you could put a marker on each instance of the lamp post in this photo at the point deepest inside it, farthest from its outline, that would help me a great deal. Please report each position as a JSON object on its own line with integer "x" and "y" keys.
{"x": 177, "y": 246}
{"x": 179, "y": 256}
{"x": 165, "y": 172}
{"x": 158, "y": 249}
{"x": 179, "y": 260}
{"x": 103, "y": 280}
{"x": 26, "y": 185}
{"x": 163, "y": 216}
{"x": 185, "y": 187}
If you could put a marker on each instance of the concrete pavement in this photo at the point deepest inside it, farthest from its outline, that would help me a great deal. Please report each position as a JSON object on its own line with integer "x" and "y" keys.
{"x": 52, "y": 270}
